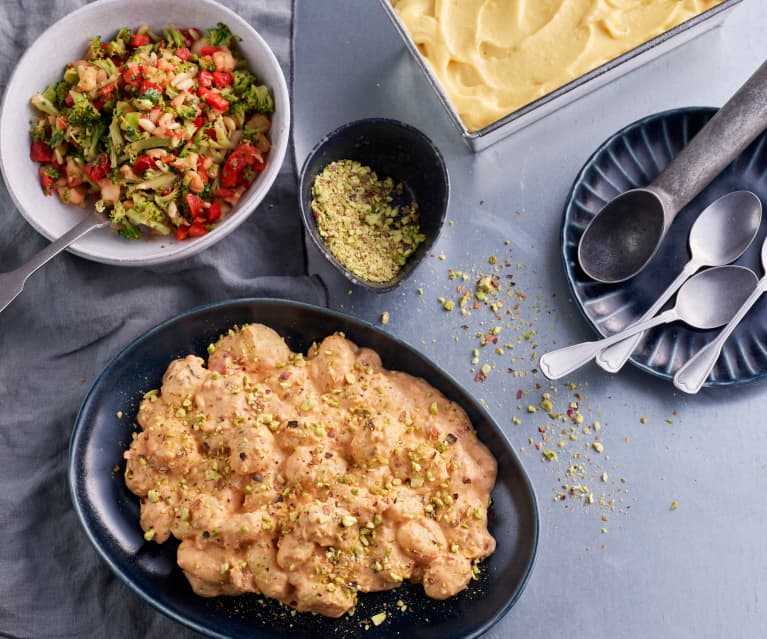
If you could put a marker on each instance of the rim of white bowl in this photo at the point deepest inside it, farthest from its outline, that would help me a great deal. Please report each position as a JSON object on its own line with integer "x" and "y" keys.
{"x": 16, "y": 167}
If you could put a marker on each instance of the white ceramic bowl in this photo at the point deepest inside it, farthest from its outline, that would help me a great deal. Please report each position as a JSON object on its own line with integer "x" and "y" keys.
{"x": 67, "y": 40}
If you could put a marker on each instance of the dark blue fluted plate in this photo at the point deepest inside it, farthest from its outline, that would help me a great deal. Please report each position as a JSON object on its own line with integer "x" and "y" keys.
{"x": 631, "y": 158}
{"x": 110, "y": 513}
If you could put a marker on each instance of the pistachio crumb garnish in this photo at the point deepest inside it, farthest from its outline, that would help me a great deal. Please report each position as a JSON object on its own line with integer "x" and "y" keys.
{"x": 362, "y": 227}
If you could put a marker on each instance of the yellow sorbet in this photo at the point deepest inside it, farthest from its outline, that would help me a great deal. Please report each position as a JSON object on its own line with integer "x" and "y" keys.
{"x": 494, "y": 56}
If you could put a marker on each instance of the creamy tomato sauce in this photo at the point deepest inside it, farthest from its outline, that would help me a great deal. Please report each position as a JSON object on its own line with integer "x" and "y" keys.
{"x": 309, "y": 479}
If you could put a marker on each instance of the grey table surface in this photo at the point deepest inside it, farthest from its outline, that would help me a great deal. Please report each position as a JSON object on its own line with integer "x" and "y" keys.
{"x": 629, "y": 564}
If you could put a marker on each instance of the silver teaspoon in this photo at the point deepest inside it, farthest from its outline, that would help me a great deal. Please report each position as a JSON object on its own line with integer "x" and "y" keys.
{"x": 691, "y": 377}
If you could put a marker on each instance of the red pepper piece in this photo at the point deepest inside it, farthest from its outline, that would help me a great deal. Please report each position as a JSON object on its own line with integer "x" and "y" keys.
{"x": 214, "y": 211}
{"x": 222, "y": 79}
{"x": 197, "y": 230}
{"x": 139, "y": 40}
{"x": 143, "y": 163}
{"x": 244, "y": 155}
{"x": 40, "y": 152}
{"x": 146, "y": 86}
{"x": 183, "y": 53}
{"x": 97, "y": 169}
{"x": 46, "y": 180}
{"x": 195, "y": 204}
{"x": 216, "y": 101}
{"x": 182, "y": 232}
{"x": 208, "y": 49}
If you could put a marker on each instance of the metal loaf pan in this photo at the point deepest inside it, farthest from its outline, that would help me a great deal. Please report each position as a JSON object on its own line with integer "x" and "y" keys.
{"x": 482, "y": 138}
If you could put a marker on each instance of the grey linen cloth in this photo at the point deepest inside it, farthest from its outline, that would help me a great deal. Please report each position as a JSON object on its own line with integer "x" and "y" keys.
{"x": 71, "y": 319}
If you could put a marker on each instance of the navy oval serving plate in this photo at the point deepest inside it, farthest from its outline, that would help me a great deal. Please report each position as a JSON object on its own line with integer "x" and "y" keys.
{"x": 110, "y": 513}
{"x": 631, "y": 158}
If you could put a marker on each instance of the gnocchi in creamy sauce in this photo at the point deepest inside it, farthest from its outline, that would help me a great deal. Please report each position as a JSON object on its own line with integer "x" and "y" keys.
{"x": 309, "y": 478}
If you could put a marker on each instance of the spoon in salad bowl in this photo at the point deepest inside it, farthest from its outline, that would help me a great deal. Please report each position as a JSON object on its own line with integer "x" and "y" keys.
{"x": 720, "y": 235}
{"x": 707, "y": 300}
{"x": 12, "y": 282}
{"x": 691, "y": 377}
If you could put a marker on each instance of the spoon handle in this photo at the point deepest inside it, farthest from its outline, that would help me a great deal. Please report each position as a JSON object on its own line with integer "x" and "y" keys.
{"x": 12, "y": 283}
{"x": 556, "y": 364}
{"x": 691, "y": 377}
{"x": 726, "y": 135}
{"x": 614, "y": 357}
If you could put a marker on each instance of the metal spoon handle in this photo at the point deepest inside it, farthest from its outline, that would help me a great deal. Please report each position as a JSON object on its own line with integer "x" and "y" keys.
{"x": 614, "y": 357}
{"x": 556, "y": 364}
{"x": 691, "y": 377}
{"x": 12, "y": 283}
{"x": 724, "y": 136}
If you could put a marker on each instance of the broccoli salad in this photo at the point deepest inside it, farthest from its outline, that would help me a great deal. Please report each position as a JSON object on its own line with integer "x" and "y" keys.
{"x": 165, "y": 131}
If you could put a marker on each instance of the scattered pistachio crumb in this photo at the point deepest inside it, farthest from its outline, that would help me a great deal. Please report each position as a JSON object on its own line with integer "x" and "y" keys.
{"x": 385, "y": 317}
{"x": 378, "y": 619}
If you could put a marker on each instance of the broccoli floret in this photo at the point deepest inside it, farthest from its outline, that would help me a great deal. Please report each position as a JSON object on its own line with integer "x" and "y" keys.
{"x": 151, "y": 96}
{"x": 62, "y": 89}
{"x": 39, "y": 130}
{"x": 129, "y": 231}
{"x": 95, "y": 50}
{"x": 206, "y": 64}
{"x": 117, "y": 47}
{"x": 163, "y": 201}
{"x": 147, "y": 213}
{"x": 129, "y": 124}
{"x": 241, "y": 80}
{"x": 123, "y": 35}
{"x": 82, "y": 114}
{"x": 256, "y": 98}
{"x": 108, "y": 67}
{"x": 221, "y": 36}
{"x": 174, "y": 36}
{"x": 186, "y": 112}
{"x": 71, "y": 75}
{"x": 44, "y": 104}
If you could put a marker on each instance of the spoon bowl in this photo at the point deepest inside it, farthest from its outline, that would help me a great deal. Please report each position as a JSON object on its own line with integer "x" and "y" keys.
{"x": 623, "y": 236}
{"x": 725, "y": 228}
{"x": 691, "y": 377}
{"x": 711, "y": 299}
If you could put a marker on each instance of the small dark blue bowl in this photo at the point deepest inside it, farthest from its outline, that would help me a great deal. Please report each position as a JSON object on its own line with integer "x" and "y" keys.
{"x": 392, "y": 149}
